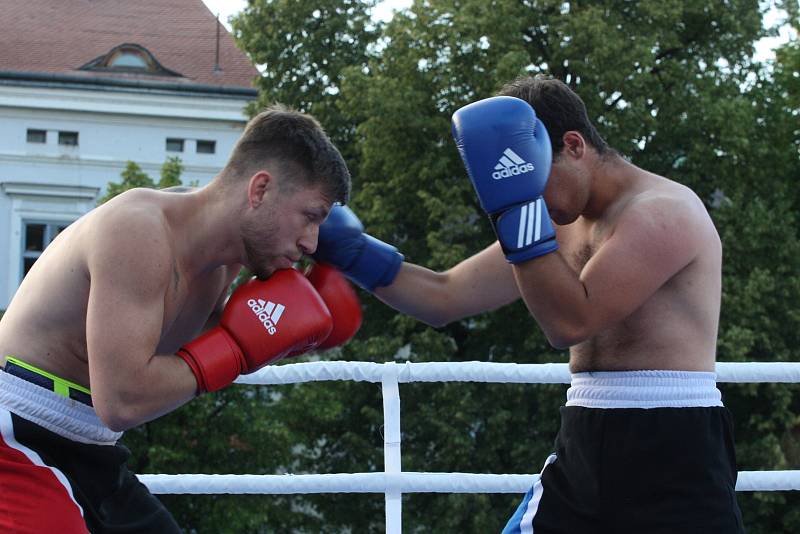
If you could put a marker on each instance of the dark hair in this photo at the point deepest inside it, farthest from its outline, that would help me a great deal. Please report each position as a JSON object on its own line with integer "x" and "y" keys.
{"x": 558, "y": 107}
{"x": 297, "y": 144}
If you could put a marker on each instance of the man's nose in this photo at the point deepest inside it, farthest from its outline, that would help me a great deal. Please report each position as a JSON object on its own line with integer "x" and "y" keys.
{"x": 308, "y": 242}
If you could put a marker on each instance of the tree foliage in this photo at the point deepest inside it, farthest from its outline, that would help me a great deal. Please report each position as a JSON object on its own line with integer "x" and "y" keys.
{"x": 133, "y": 176}
{"x": 303, "y": 46}
{"x": 670, "y": 84}
{"x": 171, "y": 172}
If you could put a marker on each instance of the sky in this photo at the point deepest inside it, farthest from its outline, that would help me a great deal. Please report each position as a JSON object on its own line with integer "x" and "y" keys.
{"x": 384, "y": 10}
{"x": 226, "y": 8}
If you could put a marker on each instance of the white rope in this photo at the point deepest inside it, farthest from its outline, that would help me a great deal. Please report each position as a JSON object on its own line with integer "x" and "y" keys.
{"x": 544, "y": 373}
{"x": 407, "y": 482}
{"x": 768, "y": 481}
{"x": 394, "y": 482}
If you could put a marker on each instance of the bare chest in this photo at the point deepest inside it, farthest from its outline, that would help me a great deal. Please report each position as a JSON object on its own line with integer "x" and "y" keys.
{"x": 188, "y": 304}
{"x": 660, "y": 334}
{"x": 580, "y": 242}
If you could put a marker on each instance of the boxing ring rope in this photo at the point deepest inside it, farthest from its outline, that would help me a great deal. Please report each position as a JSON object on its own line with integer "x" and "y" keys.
{"x": 393, "y": 482}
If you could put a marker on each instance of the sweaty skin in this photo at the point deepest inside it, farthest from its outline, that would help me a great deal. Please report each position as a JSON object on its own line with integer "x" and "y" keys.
{"x": 115, "y": 295}
{"x": 635, "y": 285}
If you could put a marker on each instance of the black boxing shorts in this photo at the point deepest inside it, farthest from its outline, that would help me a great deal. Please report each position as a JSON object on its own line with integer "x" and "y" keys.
{"x": 637, "y": 451}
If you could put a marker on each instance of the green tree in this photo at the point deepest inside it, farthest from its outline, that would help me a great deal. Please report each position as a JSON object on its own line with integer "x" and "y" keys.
{"x": 133, "y": 176}
{"x": 669, "y": 83}
{"x": 761, "y": 282}
{"x": 171, "y": 172}
{"x": 303, "y": 47}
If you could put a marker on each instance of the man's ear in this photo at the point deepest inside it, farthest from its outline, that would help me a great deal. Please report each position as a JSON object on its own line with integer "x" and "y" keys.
{"x": 257, "y": 188}
{"x": 574, "y": 144}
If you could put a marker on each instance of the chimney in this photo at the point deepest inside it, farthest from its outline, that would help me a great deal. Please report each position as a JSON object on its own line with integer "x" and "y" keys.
{"x": 217, "y": 68}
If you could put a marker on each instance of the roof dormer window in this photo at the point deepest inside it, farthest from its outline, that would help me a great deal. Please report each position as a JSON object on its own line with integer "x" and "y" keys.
{"x": 129, "y": 57}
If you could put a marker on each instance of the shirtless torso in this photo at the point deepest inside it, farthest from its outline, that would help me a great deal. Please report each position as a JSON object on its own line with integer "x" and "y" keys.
{"x": 676, "y": 326}
{"x": 634, "y": 285}
{"x": 118, "y": 301}
{"x": 46, "y": 323}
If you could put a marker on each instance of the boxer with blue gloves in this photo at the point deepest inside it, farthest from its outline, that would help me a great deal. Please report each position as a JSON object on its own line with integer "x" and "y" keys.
{"x": 627, "y": 275}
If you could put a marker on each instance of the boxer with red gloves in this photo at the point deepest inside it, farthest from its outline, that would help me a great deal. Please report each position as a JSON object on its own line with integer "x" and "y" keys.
{"x": 117, "y": 323}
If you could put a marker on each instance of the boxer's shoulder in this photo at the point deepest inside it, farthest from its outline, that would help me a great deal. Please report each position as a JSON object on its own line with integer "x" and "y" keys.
{"x": 130, "y": 237}
{"x": 133, "y": 215}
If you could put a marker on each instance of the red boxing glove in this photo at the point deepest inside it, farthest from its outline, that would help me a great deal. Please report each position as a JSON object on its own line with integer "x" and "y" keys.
{"x": 341, "y": 300}
{"x": 263, "y": 321}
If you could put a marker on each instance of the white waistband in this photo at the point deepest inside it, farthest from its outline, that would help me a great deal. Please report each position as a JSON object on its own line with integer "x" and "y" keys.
{"x": 66, "y": 417}
{"x": 644, "y": 389}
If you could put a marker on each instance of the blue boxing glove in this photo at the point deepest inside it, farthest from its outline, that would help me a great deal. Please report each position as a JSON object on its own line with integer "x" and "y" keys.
{"x": 366, "y": 261}
{"x": 507, "y": 153}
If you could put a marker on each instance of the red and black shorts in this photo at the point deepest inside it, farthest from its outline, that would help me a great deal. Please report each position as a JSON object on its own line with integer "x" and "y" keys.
{"x": 62, "y": 470}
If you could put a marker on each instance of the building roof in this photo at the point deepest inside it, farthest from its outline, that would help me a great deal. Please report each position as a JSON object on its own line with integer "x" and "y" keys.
{"x": 71, "y": 37}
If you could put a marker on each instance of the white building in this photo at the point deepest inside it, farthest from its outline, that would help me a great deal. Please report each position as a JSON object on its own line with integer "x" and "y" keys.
{"x": 86, "y": 87}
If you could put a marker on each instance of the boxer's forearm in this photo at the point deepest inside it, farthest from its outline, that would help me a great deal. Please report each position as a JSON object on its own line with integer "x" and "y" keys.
{"x": 420, "y": 293}
{"x": 132, "y": 397}
{"x": 556, "y": 298}
{"x": 478, "y": 284}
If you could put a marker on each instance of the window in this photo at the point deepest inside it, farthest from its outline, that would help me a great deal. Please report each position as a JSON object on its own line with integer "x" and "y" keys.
{"x": 206, "y": 147}
{"x": 131, "y": 59}
{"x": 68, "y": 138}
{"x": 174, "y": 145}
{"x": 36, "y": 238}
{"x": 37, "y": 136}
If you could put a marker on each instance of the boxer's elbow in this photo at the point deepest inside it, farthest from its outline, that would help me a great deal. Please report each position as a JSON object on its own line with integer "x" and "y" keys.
{"x": 565, "y": 335}
{"x": 560, "y": 341}
{"x": 117, "y": 412}
{"x": 442, "y": 311}
{"x": 117, "y": 419}
{"x": 437, "y": 318}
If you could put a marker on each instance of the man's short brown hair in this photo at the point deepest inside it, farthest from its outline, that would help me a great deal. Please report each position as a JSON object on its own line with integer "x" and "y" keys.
{"x": 558, "y": 107}
{"x": 296, "y": 144}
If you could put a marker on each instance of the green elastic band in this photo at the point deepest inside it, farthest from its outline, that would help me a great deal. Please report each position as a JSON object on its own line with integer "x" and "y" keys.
{"x": 60, "y": 385}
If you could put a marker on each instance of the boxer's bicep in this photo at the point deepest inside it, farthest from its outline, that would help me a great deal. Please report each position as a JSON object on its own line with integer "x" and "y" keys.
{"x": 650, "y": 245}
{"x": 129, "y": 278}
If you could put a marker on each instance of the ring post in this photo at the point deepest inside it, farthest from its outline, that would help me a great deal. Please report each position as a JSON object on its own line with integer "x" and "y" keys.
{"x": 391, "y": 447}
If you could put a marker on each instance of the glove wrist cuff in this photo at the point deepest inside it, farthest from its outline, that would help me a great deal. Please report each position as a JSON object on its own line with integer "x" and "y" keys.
{"x": 525, "y": 231}
{"x": 214, "y": 358}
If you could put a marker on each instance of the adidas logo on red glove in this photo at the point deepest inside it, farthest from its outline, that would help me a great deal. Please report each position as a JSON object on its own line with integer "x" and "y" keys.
{"x": 325, "y": 312}
{"x": 268, "y": 313}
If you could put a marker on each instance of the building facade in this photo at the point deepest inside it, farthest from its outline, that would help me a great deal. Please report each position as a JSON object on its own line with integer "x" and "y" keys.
{"x": 86, "y": 87}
